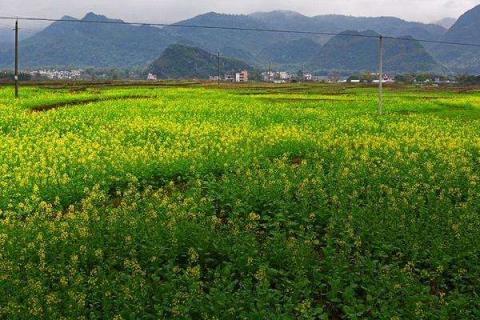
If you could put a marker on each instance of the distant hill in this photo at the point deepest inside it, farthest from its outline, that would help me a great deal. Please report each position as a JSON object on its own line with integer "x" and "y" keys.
{"x": 7, "y": 35}
{"x": 465, "y": 30}
{"x": 92, "y": 45}
{"x": 388, "y": 26}
{"x": 251, "y": 46}
{"x": 7, "y": 41}
{"x": 447, "y": 23}
{"x": 5, "y": 46}
{"x": 245, "y": 45}
{"x": 184, "y": 62}
{"x": 466, "y": 27}
{"x": 287, "y": 49}
{"x": 106, "y": 45}
{"x": 291, "y": 52}
{"x": 349, "y": 54}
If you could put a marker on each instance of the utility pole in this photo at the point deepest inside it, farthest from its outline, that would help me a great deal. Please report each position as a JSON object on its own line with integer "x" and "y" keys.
{"x": 16, "y": 59}
{"x": 218, "y": 68}
{"x": 380, "y": 77}
{"x": 270, "y": 71}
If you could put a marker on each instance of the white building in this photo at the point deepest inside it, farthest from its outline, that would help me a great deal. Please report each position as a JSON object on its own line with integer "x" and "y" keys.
{"x": 272, "y": 76}
{"x": 282, "y": 75}
{"x": 58, "y": 74}
{"x": 307, "y": 77}
{"x": 386, "y": 78}
{"x": 151, "y": 76}
{"x": 268, "y": 76}
{"x": 241, "y": 76}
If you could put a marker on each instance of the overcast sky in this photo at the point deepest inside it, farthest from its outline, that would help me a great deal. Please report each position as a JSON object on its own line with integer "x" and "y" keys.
{"x": 175, "y": 10}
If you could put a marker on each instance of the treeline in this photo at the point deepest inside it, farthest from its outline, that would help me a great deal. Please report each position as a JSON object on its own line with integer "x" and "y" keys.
{"x": 423, "y": 77}
{"x": 134, "y": 73}
{"x": 427, "y": 77}
{"x": 469, "y": 80}
{"x": 10, "y": 76}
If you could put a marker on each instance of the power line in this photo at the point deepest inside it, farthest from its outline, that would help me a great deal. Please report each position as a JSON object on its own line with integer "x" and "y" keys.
{"x": 179, "y": 25}
{"x": 434, "y": 41}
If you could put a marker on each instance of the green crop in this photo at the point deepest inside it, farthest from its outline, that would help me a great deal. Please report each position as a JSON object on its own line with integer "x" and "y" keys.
{"x": 288, "y": 202}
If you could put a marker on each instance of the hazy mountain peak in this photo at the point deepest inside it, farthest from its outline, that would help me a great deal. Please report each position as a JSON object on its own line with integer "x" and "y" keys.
{"x": 285, "y": 13}
{"x": 68, "y": 18}
{"x": 466, "y": 27}
{"x": 474, "y": 11}
{"x": 289, "y": 12}
{"x": 447, "y": 23}
{"x": 211, "y": 13}
{"x": 217, "y": 14}
{"x": 91, "y": 16}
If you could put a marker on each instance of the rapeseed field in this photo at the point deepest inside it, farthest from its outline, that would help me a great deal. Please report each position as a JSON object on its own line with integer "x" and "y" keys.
{"x": 288, "y": 202}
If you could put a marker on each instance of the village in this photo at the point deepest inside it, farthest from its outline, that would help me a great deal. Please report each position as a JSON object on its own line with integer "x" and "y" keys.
{"x": 282, "y": 77}
{"x": 243, "y": 76}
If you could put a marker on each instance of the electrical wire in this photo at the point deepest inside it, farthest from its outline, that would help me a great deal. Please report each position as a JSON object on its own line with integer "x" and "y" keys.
{"x": 180, "y": 25}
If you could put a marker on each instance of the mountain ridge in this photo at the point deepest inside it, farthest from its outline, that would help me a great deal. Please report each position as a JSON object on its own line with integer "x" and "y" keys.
{"x": 123, "y": 45}
{"x": 84, "y": 45}
{"x": 184, "y": 62}
{"x": 353, "y": 54}
{"x": 462, "y": 59}
{"x": 447, "y": 22}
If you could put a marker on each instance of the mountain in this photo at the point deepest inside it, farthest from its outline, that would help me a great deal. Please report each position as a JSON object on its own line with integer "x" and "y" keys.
{"x": 388, "y": 26}
{"x": 7, "y": 42}
{"x": 347, "y": 53}
{"x": 447, "y": 23}
{"x": 466, "y": 27}
{"x": 291, "y": 52}
{"x": 83, "y": 45}
{"x": 462, "y": 58}
{"x": 92, "y": 44}
{"x": 7, "y": 35}
{"x": 253, "y": 47}
{"x": 245, "y": 45}
{"x": 184, "y": 62}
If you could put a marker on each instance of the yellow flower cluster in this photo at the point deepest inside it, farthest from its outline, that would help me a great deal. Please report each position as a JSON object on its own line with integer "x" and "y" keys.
{"x": 129, "y": 200}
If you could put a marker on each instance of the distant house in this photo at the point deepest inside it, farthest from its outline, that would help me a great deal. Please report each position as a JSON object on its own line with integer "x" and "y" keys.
{"x": 241, "y": 76}
{"x": 151, "y": 77}
{"x": 229, "y": 77}
{"x": 268, "y": 76}
{"x": 307, "y": 77}
{"x": 282, "y": 75}
{"x": 386, "y": 78}
{"x": 57, "y": 74}
{"x": 320, "y": 78}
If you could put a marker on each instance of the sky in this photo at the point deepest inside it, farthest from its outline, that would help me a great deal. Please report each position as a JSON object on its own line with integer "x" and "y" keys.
{"x": 167, "y": 11}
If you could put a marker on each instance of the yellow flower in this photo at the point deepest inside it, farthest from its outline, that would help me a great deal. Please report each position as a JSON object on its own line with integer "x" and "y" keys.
{"x": 253, "y": 216}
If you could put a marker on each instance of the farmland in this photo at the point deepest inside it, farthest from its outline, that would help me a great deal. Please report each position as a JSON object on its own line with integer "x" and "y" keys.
{"x": 248, "y": 202}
